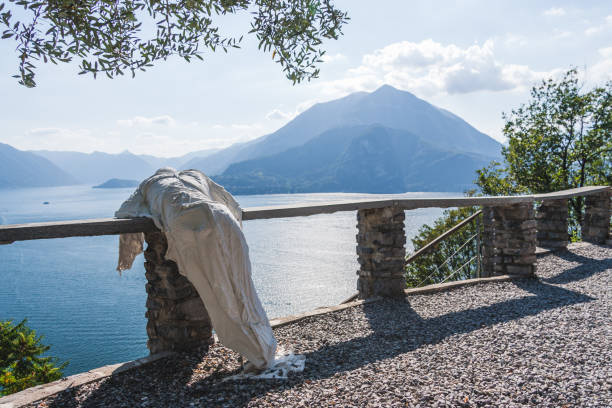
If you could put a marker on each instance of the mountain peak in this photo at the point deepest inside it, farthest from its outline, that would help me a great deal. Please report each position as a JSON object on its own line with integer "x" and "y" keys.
{"x": 388, "y": 90}
{"x": 387, "y": 106}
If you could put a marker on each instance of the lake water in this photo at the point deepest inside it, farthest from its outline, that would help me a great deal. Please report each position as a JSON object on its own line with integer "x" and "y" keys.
{"x": 69, "y": 291}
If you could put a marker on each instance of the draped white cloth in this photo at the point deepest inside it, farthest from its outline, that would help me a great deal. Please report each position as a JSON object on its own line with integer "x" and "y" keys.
{"x": 202, "y": 223}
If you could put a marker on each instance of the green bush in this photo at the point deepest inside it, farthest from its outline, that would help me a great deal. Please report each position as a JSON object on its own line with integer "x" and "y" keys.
{"x": 21, "y": 362}
{"x": 431, "y": 267}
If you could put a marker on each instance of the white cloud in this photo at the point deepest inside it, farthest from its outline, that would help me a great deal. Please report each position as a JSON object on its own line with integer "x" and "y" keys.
{"x": 163, "y": 120}
{"x": 561, "y": 34}
{"x": 277, "y": 114}
{"x": 430, "y": 68}
{"x": 602, "y": 70}
{"x": 515, "y": 40}
{"x": 554, "y": 12}
{"x": 328, "y": 58}
{"x": 607, "y": 24}
{"x": 280, "y": 116}
{"x": 593, "y": 30}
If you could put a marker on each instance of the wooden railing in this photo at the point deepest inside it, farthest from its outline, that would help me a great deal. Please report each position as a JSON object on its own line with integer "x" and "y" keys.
{"x": 114, "y": 226}
{"x": 510, "y": 233}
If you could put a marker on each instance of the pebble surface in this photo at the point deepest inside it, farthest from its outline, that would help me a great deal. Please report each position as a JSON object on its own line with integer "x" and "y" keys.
{"x": 542, "y": 342}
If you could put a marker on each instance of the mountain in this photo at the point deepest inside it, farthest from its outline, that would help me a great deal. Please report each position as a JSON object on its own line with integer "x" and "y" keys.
{"x": 94, "y": 168}
{"x": 118, "y": 183}
{"x": 387, "y": 106}
{"x": 97, "y": 167}
{"x": 177, "y": 162}
{"x": 25, "y": 169}
{"x": 372, "y": 159}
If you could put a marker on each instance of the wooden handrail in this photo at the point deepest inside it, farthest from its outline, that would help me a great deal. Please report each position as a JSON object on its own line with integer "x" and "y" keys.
{"x": 113, "y": 226}
{"x": 74, "y": 228}
{"x": 300, "y": 210}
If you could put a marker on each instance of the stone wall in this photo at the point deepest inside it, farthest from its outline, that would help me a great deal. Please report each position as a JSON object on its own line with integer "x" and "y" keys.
{"x": 381, "y": 252}
{"x": 596, "y": 221}
{"x": 509, "y": 240}
{"x": 177, "y": 318}
{"x": 551, "y": 219}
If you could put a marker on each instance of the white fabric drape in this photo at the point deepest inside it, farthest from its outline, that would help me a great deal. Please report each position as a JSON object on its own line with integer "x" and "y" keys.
{"x": 202, "y": 223}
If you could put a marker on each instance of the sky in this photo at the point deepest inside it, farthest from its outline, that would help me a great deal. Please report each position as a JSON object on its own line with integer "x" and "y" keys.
{"x": 476, "y": 58}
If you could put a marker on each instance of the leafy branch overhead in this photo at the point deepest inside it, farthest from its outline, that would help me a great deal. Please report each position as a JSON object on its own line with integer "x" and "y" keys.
{"x": 117, "y": 36}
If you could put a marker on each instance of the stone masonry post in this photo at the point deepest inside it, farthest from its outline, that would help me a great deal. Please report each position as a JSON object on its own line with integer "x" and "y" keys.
{"x": 509, "y": 240}
{"x": 381, "y": 252}
{"x": 177, "y": 318}
{"x": 551, "y": 219}
{"x": 488, "y": 250}
{"x": 596, "y": 222}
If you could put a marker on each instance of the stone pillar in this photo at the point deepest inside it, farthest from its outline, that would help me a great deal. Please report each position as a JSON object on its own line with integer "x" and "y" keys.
{"x": 509, "y": 240}
{"x": 381, "y": 252}
{"x": 596, "y": 222}
{"x": 488, "y": 250}
{"x": 177, "y": 318}
{"x": 551, "y": 219}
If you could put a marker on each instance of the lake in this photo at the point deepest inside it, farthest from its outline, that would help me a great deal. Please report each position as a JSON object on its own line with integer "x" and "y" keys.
{"x": 70, "y": 292}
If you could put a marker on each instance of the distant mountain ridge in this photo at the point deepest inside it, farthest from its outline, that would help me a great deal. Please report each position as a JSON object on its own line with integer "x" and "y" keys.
{"x": 97, "y": 167}
{"x": 118, "y": 183}
{"x": 179, "y": 162}
{"x": 373, "y": 159}
{"x": 25, "y": 169}
{"x": 387, "y": 106}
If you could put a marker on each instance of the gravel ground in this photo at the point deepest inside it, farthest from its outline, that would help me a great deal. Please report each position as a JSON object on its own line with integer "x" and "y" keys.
{"x": 543, "y": 342}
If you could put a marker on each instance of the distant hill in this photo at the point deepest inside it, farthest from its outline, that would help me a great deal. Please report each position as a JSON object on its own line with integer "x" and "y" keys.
{"x": 386, "y": 106}
{"x": 118, "y": 183}
{"x": 372, "y": 159}
{"x": 180, "y": 162}
{"x": 25, "y": 169}
{"x": 97, "y": 167}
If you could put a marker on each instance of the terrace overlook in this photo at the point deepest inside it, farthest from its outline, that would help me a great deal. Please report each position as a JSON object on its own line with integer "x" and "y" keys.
{"x": 531, "y": 331}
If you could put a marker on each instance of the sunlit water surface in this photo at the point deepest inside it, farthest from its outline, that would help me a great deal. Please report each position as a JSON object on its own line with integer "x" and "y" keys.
{"x": 69, "y": 291}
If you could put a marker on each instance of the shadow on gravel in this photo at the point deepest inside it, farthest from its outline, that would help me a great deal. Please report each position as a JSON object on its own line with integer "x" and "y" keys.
{"x": 396, "y": 329}
{"x": 136, "y": 388}
{"x": 588, "y": 267}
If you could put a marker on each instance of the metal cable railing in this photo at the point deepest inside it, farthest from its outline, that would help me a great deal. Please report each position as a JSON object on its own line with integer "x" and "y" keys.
{"x": 431, "y": 246}
{"x": 449, "y": 258}
{"x": 438, "y": 273}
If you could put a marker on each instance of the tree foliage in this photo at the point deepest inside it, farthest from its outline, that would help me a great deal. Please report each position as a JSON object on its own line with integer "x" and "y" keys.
{"x": 560, "y": 139}
{"x": 117, "y": 36}
{"x": 21, "y": 362}
{"x": 450, "y": 255}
